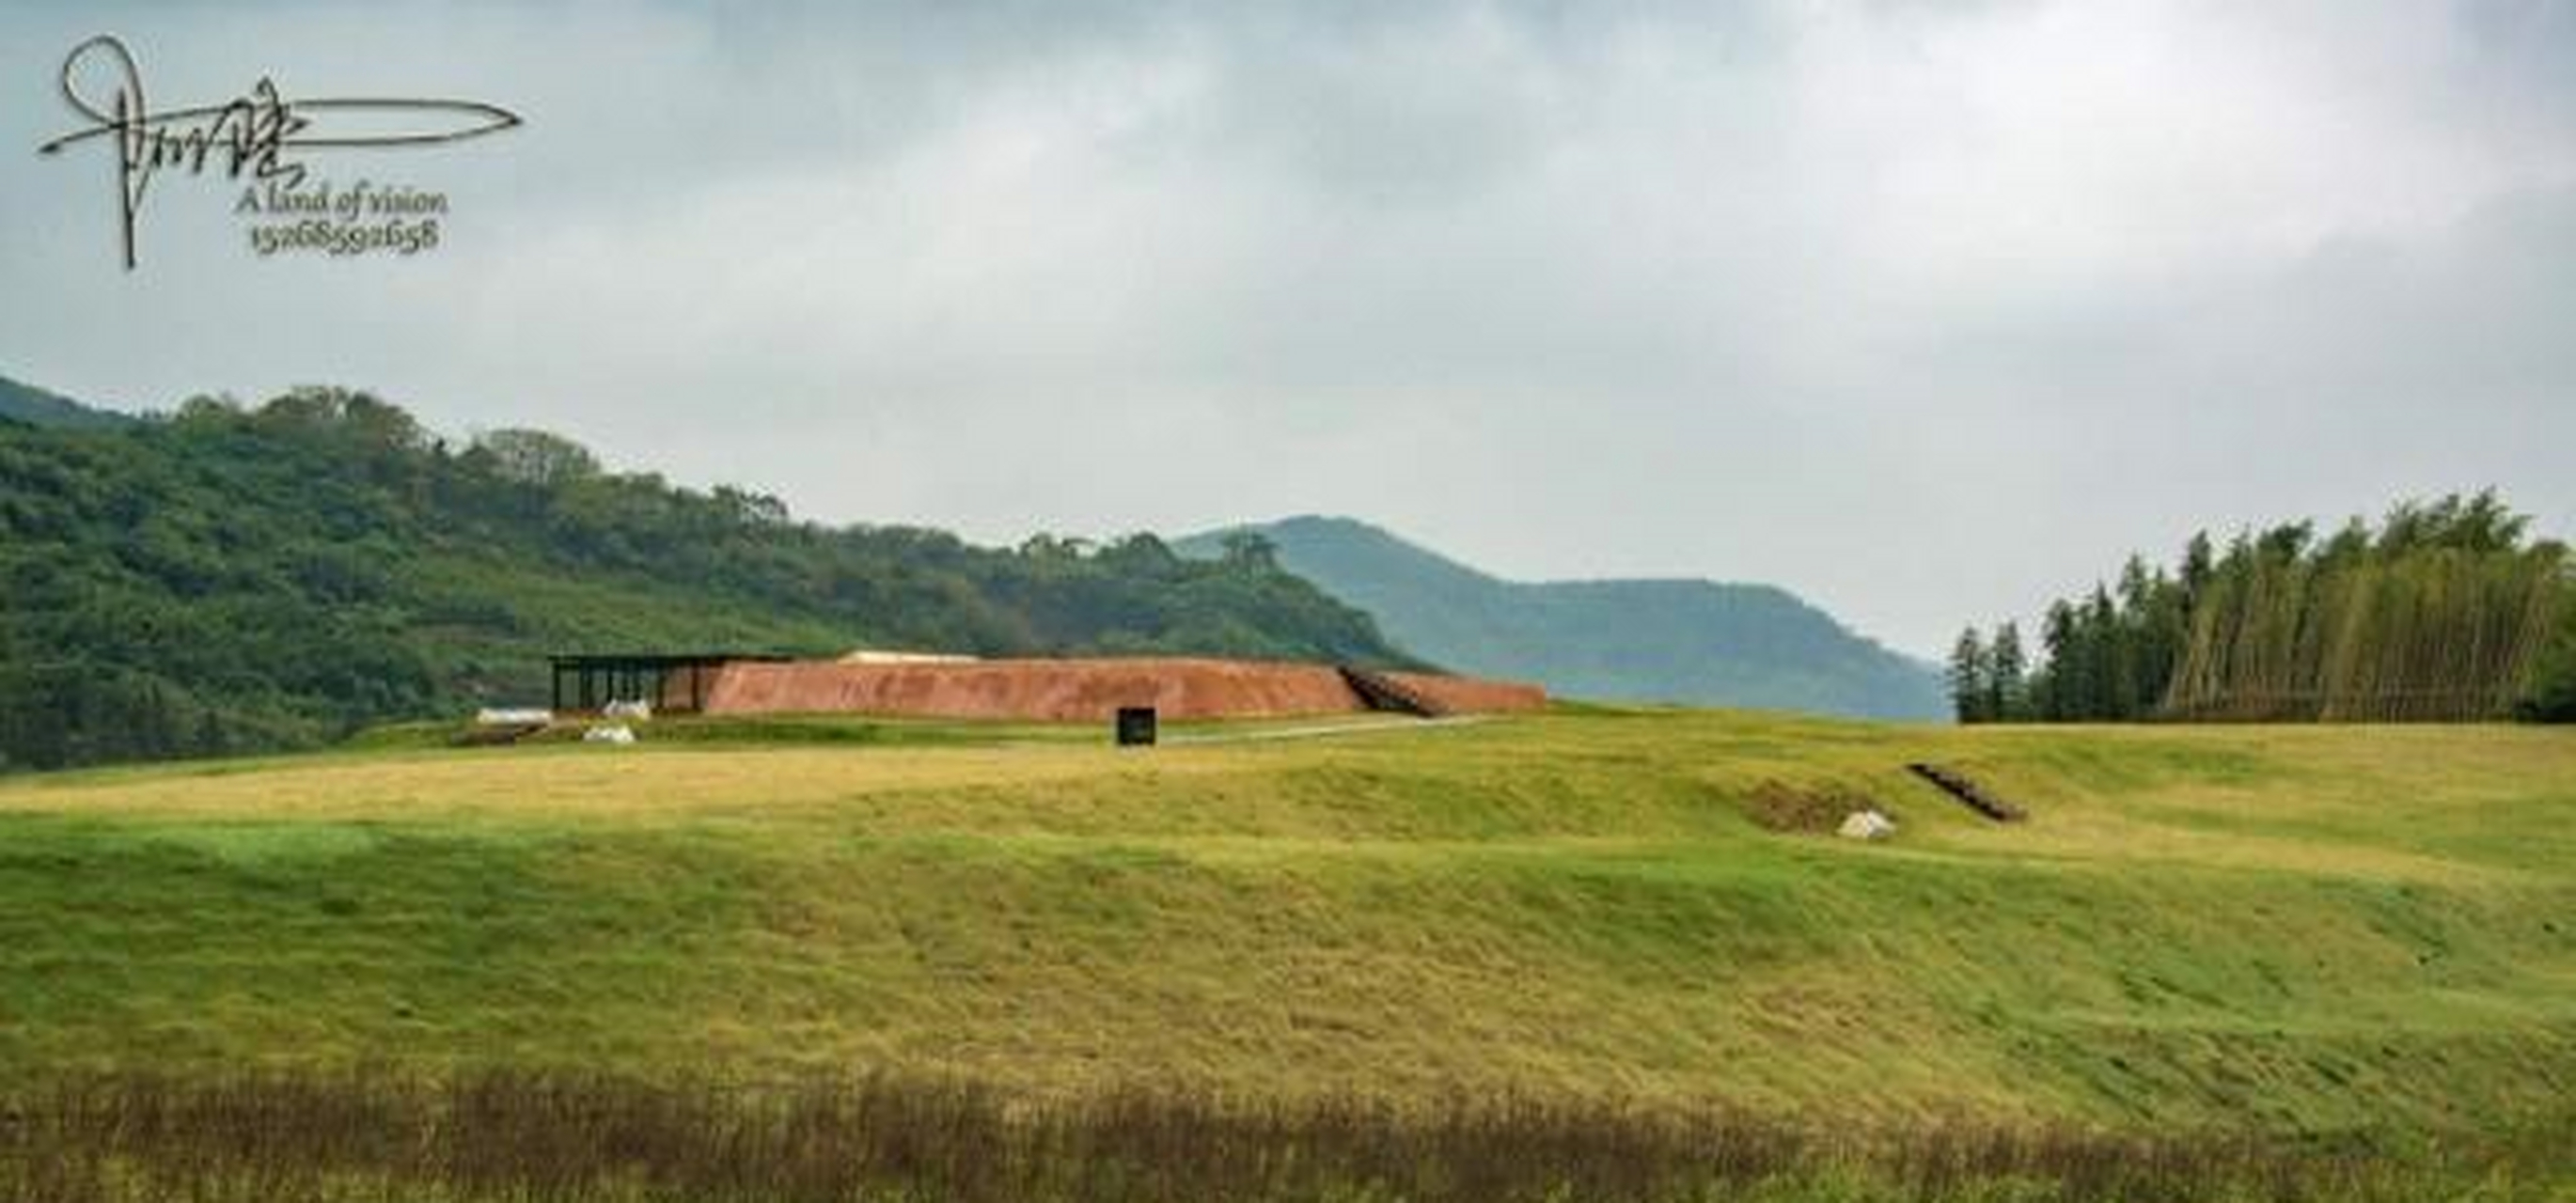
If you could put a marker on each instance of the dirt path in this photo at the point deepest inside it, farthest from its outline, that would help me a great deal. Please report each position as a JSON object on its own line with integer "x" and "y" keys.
{"x": 1321, "y": 730}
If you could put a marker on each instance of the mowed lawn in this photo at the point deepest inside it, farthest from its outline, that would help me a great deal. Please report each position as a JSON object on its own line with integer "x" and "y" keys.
{"x": 2302, "y": 928}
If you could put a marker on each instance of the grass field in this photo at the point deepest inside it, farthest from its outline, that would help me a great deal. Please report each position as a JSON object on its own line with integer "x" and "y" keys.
{"x": 2299, "y": 929}
{"x": 2306, "y": 937}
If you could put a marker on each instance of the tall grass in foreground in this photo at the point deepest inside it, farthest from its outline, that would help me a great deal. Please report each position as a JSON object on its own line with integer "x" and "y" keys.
{"x": 282, "y": 1139}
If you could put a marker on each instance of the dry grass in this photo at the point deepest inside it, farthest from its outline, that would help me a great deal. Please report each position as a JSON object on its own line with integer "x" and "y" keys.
{"x": 552, "y": 1139}
{"x": 1810, "y": 810}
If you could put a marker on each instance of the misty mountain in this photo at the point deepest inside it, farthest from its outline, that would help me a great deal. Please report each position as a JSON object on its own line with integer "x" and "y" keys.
{"x": 37, "y": 407}
{"x": 1690, "y": 641}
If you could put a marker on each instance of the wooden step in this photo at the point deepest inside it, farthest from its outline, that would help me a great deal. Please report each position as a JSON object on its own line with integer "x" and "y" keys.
{"x": 1957, "y": 785}
{"x": 1381, "y": 692}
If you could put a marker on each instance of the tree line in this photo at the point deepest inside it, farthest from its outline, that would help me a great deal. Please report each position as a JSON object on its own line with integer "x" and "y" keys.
{"x": 2444, "y": 611}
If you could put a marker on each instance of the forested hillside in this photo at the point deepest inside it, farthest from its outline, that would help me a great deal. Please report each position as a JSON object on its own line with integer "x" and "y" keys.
{"x": 2446, "y": 611}
{"x": 1688, "y": 641}
{"x": 230, "y": 579}
{"x": 37, "y": 407}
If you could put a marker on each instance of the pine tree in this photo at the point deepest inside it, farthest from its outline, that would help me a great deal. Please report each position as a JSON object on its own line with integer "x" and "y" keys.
{"x": 2007, "y": 692}
{"x": 2057, "y": 695}
{"x": 1968, "y": 689}
{"x": 2109, "y": 648}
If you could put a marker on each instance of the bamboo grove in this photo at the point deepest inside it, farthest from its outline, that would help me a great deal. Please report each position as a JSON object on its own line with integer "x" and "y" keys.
{"x": 2446, "y": 611}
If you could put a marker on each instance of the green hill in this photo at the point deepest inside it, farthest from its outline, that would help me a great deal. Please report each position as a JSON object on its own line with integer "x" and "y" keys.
{"x": 1686, "y": 641}
{"x": 224, "y": 580}
{"x": 37, "y": 407}
{"x": 2279, "y": 929}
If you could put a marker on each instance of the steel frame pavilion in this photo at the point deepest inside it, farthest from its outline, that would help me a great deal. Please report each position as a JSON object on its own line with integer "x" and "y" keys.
{"x": 587, "y": 681}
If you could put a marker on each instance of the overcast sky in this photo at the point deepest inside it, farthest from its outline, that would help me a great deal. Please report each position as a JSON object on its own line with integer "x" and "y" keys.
{"x": 1927, "y": 311}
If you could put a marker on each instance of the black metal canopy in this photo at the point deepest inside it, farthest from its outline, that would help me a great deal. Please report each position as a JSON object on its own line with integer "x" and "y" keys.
{"x": 591, "y": 680}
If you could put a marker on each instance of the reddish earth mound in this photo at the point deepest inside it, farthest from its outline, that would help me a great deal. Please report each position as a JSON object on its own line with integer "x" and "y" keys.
{"x": 1078, "y": 690}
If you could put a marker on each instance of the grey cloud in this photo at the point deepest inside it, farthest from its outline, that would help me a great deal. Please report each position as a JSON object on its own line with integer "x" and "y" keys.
{"x": 1925, "y": 310}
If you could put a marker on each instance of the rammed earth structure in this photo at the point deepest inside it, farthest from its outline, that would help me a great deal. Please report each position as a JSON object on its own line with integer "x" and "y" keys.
{"x": 1029, "y": 690}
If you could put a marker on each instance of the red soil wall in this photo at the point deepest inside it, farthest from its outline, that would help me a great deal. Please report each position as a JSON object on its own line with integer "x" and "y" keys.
{"x": 1469, "y": 695}
{"x": 1075, "y": 690}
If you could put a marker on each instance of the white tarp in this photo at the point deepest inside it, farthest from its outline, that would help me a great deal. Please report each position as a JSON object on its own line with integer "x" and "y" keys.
{"x": 1866, "y": 825}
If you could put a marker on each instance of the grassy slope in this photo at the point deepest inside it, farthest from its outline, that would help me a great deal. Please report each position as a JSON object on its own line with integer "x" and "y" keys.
{"x": 2312, "y": 927}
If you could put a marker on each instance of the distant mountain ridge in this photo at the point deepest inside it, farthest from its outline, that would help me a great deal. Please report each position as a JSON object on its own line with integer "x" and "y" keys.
{"x": 38, "y": 407}
{"x": 1690, "y": 641}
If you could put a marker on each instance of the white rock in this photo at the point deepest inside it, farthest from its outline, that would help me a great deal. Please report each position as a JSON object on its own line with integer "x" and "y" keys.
{"x": 1866, "y": 825}
{"x": 614, "y": 733}
{"x": 637, "y": 709}
{"x": 503, "y": 716}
